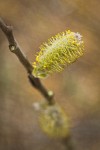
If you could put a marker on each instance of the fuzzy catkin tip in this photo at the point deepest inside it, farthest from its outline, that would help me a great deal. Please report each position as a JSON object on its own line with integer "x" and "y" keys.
{"x": 59, "y": 51}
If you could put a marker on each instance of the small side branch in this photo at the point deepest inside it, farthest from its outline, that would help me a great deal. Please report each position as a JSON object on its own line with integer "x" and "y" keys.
{"x": 14, "y": 47}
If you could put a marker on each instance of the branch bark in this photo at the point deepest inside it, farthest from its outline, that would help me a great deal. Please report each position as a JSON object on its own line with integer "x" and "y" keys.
{"x": 14, "y": 47}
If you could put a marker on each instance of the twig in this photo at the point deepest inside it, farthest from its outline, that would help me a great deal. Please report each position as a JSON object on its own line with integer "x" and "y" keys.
{"x": 14, "y": 47}
{"x": 69, "y": 143}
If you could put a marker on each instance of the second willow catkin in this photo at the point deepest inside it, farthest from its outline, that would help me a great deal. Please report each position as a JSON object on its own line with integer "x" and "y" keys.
{"x": 59, "y": 51}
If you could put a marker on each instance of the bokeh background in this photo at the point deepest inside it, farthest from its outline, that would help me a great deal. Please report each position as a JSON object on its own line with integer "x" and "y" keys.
{"x": 77, "y": 88}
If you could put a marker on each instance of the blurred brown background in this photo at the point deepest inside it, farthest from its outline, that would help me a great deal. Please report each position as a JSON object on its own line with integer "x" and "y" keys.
{"x": 77, "y": 89}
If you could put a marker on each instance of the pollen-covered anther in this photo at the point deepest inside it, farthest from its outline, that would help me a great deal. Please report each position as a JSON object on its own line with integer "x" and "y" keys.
{"x": 59, "y": 51}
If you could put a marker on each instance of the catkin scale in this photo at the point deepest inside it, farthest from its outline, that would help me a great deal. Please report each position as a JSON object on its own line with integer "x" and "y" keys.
{"x": 59, "y": 51}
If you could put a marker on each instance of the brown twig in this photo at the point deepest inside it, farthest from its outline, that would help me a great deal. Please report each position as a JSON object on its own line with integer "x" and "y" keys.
{"x": 14, "y": 47}
{"x": 69, "y": 143}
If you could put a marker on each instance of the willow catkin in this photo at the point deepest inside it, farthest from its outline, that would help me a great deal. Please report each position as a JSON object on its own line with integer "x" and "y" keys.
{"x": 54, "y": 121}
{"x": 59, "y": 51}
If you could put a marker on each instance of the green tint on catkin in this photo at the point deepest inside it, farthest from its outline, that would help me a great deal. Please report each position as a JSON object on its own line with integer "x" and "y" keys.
{"x": 59, "y": 51}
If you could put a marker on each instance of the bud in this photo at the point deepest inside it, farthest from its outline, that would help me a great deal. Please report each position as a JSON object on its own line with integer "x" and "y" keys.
{"x": 53, "y": 121}
{"x": 59, "y": 51}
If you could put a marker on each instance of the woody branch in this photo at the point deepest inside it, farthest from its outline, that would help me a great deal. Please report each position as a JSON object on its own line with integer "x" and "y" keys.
{"x": 14, "y": 47}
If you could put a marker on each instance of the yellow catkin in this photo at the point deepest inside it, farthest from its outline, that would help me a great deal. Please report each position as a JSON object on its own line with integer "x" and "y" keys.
{"x": 59, "y": 51}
